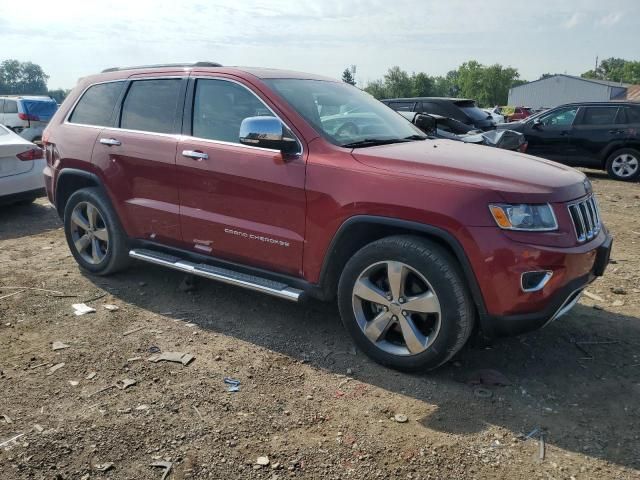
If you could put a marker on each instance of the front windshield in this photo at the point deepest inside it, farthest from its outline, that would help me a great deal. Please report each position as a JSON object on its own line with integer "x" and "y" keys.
{"x": 343, "y": 114}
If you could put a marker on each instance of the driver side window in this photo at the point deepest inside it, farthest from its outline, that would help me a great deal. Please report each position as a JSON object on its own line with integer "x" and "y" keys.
{"x": 219, "y": 108}
{"x": 560, "y": 118}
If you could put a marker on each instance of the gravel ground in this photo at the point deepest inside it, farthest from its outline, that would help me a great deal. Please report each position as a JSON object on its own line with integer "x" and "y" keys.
{"x": 308, "y": 401}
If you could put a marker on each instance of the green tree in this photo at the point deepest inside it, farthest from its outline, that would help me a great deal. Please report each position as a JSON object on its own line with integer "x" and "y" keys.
{"x": 377, "y": 89}
{"x": 616, "y": 70}
{"x": 398, "y": 83}
{"x": 422, "y": 85}
{"x": 347, "y": 77}
{"x": 18, "y": 78}
{"x": 58, "y": 94}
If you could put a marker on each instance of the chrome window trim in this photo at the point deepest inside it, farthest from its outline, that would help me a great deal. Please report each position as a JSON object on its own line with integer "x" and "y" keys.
{"x": 211, "y": 77}
{"x": 179, "y": 136}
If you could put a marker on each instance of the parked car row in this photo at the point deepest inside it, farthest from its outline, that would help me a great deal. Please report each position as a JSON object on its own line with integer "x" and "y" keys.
{"x": 27, "y": 115}
{"x": 23, "y": 118}
{"x": 601, "y": 135}
{"x": 296, "y": 186}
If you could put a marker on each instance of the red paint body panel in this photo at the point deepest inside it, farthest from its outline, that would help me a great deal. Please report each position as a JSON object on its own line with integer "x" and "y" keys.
{"x": 244, "y": 204}
{"x": 140, "y": 175}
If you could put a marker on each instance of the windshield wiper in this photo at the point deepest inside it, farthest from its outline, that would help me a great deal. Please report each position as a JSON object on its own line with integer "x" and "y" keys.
{"x": 371, "y": 142}
{"x": 416, "y": 137}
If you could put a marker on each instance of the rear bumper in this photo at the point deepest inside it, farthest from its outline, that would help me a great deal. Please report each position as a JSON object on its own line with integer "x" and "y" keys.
{"x": 514, "y": 311}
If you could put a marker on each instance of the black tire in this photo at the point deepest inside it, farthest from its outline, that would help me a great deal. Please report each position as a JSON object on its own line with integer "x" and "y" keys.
{"x": 438, "y": 266}
{"x": 616, "y": 175}
{"x": 116, "y": 257}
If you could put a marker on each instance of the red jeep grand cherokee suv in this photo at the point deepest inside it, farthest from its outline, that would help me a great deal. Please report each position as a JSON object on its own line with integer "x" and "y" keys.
{"x": 296, "y": 185}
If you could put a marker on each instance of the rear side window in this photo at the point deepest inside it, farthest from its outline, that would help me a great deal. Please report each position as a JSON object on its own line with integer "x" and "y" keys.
{"x": 150, "y": 105}
{"x": 220, "y": 107}
{"x": 599, "y": 115}
{"x": 10, "y": 106}
{"x": 633, "y": 114}
{"x": 402, "y": 106}
{"x": 434, "y": 108}
{"x": 97, "y": 104}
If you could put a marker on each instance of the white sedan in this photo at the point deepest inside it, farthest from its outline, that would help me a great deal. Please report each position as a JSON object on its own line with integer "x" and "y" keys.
{"x": 21, "y": 166}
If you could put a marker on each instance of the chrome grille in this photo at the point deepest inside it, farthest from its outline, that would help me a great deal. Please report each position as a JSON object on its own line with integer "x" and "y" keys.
{"x": 586, "y": 218}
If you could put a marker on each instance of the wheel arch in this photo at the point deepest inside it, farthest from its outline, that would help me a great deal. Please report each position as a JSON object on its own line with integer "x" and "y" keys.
{"x": 611, "y": 149}
{"x": 360, "y": 230}
{"x": 69, "y": 181}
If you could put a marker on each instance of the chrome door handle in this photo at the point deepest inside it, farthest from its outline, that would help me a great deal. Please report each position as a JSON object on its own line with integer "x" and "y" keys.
{"x": 110, "y": 141}
{"x": 196, "y": 155}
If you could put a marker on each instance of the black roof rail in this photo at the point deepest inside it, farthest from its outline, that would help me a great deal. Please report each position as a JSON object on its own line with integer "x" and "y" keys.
{"x": 162, "y": 65}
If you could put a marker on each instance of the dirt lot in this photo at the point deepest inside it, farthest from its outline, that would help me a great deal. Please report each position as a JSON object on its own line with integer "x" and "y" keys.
{"x": 307, "y": 401}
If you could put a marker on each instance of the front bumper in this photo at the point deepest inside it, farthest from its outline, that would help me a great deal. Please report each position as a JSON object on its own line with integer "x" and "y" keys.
{"x": 509, "y": 309}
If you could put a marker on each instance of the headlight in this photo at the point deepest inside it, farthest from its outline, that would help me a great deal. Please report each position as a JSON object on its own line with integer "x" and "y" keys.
{"x": 533, "y": 218}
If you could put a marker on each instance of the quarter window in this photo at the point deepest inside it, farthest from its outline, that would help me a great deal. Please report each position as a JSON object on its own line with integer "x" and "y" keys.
{"x": 97, "y": 104}
{"x": 220, "y": 107}
{"x": 150, "y": 105}
{"x": 10, "y": 106}
{"x": 402, "y": 106}
{"x": 599, "y": 115}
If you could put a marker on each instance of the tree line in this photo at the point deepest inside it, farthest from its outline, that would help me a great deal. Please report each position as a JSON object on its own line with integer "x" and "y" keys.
{"x": 486, "y": 84}
{"x": 26, "y": 78}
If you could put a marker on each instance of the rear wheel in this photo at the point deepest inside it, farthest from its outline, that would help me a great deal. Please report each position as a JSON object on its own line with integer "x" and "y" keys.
{"x": 405, "y": 304}
{"x": 94, "y": 234}
{"x": 624, "y": 165}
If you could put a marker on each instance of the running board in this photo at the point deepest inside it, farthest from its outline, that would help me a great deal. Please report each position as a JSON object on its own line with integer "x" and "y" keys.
{"x": 225, "y": 275}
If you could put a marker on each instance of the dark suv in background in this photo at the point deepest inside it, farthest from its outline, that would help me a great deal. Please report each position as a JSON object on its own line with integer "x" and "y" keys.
{"x": 461, "y": 109}
{"x": 602, "y": 135}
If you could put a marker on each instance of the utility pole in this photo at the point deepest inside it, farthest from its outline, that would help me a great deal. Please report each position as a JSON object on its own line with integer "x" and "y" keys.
{"x": 596, "y": 69}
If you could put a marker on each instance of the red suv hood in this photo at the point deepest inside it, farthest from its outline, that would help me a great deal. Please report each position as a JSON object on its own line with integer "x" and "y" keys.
{"x": 515, "y": 176}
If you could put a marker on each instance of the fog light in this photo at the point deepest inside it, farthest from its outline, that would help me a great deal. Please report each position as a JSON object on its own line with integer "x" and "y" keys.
{"x": 535, "y": 281}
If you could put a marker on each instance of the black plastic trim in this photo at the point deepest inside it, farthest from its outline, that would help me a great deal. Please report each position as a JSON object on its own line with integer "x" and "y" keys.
{"x": 443, "y": 235}
{"x": 76, "y": 173}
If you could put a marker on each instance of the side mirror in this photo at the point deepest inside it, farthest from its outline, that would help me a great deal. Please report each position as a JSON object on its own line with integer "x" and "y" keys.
{"x": 267, "y": 132}
{"x": 426, "y": 123}
{"x": 537, "y": 124}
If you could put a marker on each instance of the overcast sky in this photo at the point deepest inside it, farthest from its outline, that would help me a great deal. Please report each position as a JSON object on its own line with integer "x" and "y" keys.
{"x": 70, "y": 39}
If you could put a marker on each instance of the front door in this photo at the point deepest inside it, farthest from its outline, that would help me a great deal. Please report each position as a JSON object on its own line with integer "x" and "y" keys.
{"x": 237, "y": 202}
{"x": 549, "y": 137}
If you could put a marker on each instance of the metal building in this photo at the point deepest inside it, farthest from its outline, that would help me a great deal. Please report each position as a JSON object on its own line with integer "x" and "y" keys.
{"x": 559, "y": 89}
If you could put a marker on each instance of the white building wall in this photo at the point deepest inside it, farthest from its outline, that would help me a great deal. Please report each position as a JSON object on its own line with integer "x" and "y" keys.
{"x": 554, "y": 91}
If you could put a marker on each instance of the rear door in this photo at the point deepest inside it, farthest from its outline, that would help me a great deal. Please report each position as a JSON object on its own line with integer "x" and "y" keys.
{"x": 237, "y": 202}
{"x": 597, "y": 129}
{"x": 549, "y": 138}
{"x": 136, "y": 157}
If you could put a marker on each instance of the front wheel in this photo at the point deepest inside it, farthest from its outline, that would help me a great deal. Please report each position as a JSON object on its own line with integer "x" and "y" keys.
{"x": 94, "y": 234}
{"x": 624, "y": 164}
{"x": 404, "y": 302}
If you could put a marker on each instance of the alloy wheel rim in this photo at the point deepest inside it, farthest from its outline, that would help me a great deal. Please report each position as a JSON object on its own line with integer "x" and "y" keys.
{"x": 89, "y": 233}
{"x": 396, "y": 308}
{"x": 625, "y": 165}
